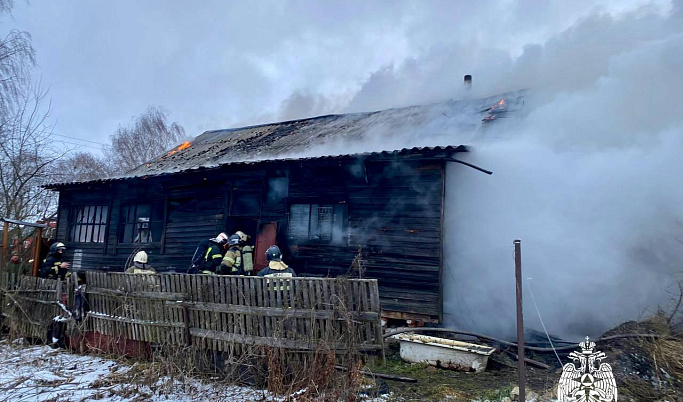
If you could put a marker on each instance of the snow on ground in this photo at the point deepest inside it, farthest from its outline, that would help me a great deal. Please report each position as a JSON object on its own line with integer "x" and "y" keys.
{"x": 40, "y": 373}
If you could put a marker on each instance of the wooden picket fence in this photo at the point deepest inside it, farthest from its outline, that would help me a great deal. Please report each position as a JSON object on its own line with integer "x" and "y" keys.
{"x": 30, "y": 304}
{"x": 235, "y": 314}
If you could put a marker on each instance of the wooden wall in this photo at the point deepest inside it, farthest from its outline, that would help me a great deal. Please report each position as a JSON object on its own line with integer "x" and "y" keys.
{"x": 394, "y": 215}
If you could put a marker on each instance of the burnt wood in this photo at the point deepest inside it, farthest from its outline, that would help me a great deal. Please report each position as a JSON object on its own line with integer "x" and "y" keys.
{"x": 393, "y": 210}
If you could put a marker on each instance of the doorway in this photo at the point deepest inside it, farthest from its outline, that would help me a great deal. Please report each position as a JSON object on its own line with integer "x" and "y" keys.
{"x": 266, "y": 238}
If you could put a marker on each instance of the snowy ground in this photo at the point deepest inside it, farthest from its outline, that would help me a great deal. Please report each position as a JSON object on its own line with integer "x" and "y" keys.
{"x": 40, "y": 373}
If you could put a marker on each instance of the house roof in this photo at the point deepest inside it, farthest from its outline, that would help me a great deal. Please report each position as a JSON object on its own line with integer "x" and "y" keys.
{"x": 401, "y": 131}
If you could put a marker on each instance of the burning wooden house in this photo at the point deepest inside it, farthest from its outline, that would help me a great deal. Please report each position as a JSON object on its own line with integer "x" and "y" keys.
{"x": 335, "y": 203}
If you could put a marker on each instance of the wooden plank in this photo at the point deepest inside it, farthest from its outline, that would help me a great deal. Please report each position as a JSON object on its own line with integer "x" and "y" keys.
{"x": 135, "y": 294}
{"x": 272, "y": 342}
{"x": 126, "y": 320}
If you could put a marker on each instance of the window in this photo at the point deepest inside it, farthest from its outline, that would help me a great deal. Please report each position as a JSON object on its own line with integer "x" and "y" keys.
{"x": 141, "y": 223}
{"x": 324, "y": 223}
{"x": 246, "y": 197}
{"x": 88, "y": 223}
{"x": 246, "y": 204}
{"x": 278, "y": 189}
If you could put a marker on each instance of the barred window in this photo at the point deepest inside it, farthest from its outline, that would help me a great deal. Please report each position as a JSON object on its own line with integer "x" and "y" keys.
{"x": 324, "y": 223}
{"x": 88, "y": 223}
{"x": 141, "y": 223}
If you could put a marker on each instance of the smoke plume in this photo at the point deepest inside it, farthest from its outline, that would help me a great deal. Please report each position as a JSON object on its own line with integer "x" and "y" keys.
{"x": 587, "y": 178}
{"x": 586, "y": 174}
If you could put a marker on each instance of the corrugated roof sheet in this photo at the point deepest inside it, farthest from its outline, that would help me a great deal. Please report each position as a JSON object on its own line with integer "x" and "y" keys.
{"x": 422, "y": 128}
{"x": 398, "y": 152}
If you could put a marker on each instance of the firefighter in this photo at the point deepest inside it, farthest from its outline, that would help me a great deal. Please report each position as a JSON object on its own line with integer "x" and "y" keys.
{"x": 280, "y": 274}
{"x": 140, "y": 265}
{"x": 54, "y": 266}
{"x": 247, "y": 253}
{"x": 232, "y": 261}
{"x": 207, "y": 258}
{"x": 276, "y": 268}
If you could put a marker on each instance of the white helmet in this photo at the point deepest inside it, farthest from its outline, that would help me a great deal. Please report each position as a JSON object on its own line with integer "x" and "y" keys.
{"x": 243, "y": 236}
{"x": 222, "y": 238}
{"x": 140, "y": 257}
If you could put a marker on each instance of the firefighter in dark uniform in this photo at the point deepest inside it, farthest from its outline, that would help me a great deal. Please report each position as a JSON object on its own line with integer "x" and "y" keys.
{"x": 280, "y": 273}
{"x": 232, "y": 261}
{"x": 54, "y": 266}
{"x": 207, "y": 258}
{"x": 276, "y": 268}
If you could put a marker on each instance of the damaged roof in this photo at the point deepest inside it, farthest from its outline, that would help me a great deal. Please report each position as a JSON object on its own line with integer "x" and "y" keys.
{"x": 401, "y": 131}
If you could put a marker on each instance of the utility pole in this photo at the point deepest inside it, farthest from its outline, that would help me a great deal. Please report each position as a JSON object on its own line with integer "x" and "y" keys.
{"x": 520, "y": 321}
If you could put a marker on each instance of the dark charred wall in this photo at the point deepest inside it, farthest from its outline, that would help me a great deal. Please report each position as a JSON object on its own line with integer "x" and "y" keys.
{"x": 382, "y": 217}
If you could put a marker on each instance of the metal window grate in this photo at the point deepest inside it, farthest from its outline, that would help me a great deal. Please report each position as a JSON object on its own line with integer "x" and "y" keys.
{"x": 88, "y": 223}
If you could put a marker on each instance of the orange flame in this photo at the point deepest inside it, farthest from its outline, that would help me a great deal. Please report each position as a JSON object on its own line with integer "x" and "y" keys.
{"x": 182, "y": 146}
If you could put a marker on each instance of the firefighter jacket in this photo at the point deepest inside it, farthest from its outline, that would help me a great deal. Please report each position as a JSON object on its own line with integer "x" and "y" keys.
{"x": 277, "y": 270}
{"x": 232, "y": 262}
{"x": 51, "y": 267}
{"x": 211, "y": 261}
{"x": 248, "y": 260}
{"x": 140, "y": 268}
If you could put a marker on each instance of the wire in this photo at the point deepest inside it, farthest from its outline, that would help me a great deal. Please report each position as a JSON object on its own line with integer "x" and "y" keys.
{"x": 79, "y": 139}
{"x": 533, "y": 299}
{"x": 80, "y": 145}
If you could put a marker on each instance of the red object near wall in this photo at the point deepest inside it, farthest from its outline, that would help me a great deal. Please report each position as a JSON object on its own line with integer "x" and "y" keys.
{"x": 265, "y": 239}
{"x": 101, "y": 343}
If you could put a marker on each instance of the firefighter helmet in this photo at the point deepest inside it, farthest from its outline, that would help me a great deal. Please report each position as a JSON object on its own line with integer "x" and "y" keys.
{"x": 222, "y": 238}
{"x": 234, "y": 240}
{"x": 273, "y": 254}
{"x": 140, "y": 257}
{"x": 57, "y": 246}
{"x": 243, "y": 236}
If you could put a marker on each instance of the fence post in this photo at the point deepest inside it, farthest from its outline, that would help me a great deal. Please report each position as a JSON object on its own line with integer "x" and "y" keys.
{"x": 5, "y": 235}
{"x": 35, "y": 269}
{"x": 520, "y": 321}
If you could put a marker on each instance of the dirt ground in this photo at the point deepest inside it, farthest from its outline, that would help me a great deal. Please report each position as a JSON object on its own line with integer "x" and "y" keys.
{"x": 437, "y": 384}
{"x": 645, "y": 369}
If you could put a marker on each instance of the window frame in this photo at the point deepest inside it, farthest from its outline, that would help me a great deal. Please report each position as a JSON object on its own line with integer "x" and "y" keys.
{"x": 155, "y": 205}
{"x": 314, "y": 219}
{"x": 75, "y": 228}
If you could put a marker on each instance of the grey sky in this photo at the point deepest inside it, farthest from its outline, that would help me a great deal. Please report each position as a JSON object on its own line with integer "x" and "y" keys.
{"x": 219, "y": 64}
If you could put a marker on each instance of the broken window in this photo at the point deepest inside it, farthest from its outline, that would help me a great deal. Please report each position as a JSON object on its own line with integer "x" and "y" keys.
{"x": 324, "y": 223}
{"x": 245, "y": 204}
{"x": 141, "y": 223}
{"x": 278, "y": 189}
{"x": 88, "y": 223}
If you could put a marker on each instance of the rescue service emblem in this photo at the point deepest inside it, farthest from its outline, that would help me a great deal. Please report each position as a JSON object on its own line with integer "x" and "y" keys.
{"x": 591, "y": 381}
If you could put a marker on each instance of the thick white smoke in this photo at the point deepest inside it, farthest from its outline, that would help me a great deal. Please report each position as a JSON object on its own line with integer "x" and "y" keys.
{"x": 587, "y": 175}
{"x": 589, "y": 180}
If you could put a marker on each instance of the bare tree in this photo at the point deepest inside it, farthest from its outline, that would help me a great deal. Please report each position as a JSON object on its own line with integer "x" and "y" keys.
{"x": 26, "y": 158}
{"x": 6, "y": 6}
{"x": 17, "y": 59}
{"x": 80, "y": 166}
{"x": 25, "y": 147}
{"x": 148, "y": 136}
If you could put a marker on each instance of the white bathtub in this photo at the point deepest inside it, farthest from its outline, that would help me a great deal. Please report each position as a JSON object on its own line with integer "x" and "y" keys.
{"x": 445, "y": 353}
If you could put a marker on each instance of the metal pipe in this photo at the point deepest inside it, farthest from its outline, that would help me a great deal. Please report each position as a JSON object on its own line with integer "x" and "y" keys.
{"x": 488, "y": 172}
{"x": 520, "y": 321}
